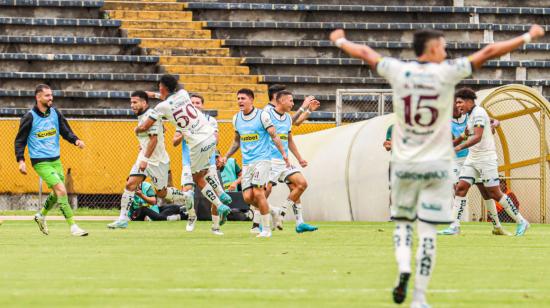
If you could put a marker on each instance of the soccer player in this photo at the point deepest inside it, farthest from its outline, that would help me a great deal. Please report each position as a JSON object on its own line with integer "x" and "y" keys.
{"x": 152, "y": 161}
{"x": 458, "y": 127}
{"x": 199, "y": 135}
{"x": 254, "y": 133}
{"x": 422, "y": 154}
{"x": 40, "y": 129}
{"x": 481, "y": 163}
{"x": 292, "y": 176}
{"x": 187, "y": 179}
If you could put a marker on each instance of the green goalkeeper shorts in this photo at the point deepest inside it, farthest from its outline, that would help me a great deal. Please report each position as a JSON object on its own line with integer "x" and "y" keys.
{"x": 51, "y": 172}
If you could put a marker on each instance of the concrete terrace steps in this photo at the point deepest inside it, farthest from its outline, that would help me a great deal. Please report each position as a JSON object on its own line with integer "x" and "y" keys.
{"x": 79, "y": 57}
{"x": 68, "y": 40}
{"x": 168, "y": 33}
{"x": 193, "y": 60}
{"x": 180, "y": 43}
{"x": 150, "y": 15}
{"x": 216, "y": 70}
{"x": 73, "y": 22}
{"x": 162, "y": 24}
{"x": 52, "y": 3}
{"x": 143, "y": 6}
{"x": 196, "y": 52}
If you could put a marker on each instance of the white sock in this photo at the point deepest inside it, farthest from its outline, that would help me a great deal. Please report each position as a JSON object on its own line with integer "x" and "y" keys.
{"x": 174, "y": 217}
{"x": 425, "y": 259}
{"x": 458, "y": 204}
{"x": 288, "y": 204}
{"x": 215, "y": 221}
{"x": 177, "y": 196}
{"x": 257, "y": 216}
{"x": 125, "y": 203}
{"x": 298, "y": 214}
{"x": 191, "y": 212}
{"x": 266, "y": 222}
{"x": 492, "y": 209}
{"x": 510, "y": 208}
{"x": 210, "y": 194}
{"x": 213, "y": 180}
{"x": 402, "y": 240}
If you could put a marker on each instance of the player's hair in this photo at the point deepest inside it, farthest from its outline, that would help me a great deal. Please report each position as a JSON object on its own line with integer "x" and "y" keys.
{"x": 273, "y": 89}
{"x": 422, "y": 37}
{"x": 140, "y": 94}
{"x": 281, "y": 94}
{"x": 466, "y": 93}
{"x": 41, "y": 88}
{"x": 246, "y": 91}
{"x": 197, "y": 96}
{"x": 170, "y": 82}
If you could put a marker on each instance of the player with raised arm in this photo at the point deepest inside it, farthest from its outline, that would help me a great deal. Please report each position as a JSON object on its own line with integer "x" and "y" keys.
{"x": 297, "y": 184}
{"x": 197, "y": 132}
{"x": 153, "y": 162}
{"x": 40, "y": 129}
{"x": 187, "y": 179}
{"x": 422, "y": 152}
{"x": 481, "y": 163}
{"x": 254, "y": 132}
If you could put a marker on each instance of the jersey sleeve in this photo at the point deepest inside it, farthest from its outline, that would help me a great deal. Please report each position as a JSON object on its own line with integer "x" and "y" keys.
{"x": 156, "y": 112}
{"x": 456, "y": 70}
{"x": 235, "y": 122}
{"x": 479, "y": 117}
{"x": 387, "y": 67}
{"x": 266, "y": 120}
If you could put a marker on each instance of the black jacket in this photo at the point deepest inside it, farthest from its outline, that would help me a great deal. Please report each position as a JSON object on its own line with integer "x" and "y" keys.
{"x": 25, "y": 126}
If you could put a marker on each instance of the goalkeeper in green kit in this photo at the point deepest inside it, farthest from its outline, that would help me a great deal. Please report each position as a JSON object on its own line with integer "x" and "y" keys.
{"x": 40, "y": 129}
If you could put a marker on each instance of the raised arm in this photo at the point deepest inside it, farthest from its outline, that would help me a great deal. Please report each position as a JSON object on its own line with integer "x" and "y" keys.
{"x": 362, "y": 52}
{"x": 498, "y": 49}
{"x": 310, "y": 104}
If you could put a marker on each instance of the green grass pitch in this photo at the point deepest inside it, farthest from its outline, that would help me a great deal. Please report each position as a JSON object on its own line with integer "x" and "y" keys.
{"x": 341, "y": 265}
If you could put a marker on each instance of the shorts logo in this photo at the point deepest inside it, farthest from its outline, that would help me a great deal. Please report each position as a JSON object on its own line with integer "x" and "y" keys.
{"x": 250, "y": 137}
{"x": 208, "y": 147}
{"x": 47, "y": 133}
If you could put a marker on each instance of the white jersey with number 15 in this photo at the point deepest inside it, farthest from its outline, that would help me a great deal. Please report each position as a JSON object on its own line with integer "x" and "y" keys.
{"x": 423, "y": 98}
{"x": 179, "y": 110}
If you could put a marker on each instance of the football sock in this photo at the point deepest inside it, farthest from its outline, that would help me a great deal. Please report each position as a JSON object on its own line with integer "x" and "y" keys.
{"x": 125, "y": 203}
{"x": 212, "y": 179}
{"x": 402, "y": 240}
{"x": 510, "y": 208}
{"x": 425, "y": 259}
{"x": 257, "y": 218}
{"x": 458, "y": 204}
{"x": 49, "y": 204}
{"x": 266, "y": 222}
{"x": 177, "y": 196}
{"x": 66, "y": 209}
{"x": 286, "y": 205}
{"x": 215, "y": 221}
{"x": 298, "y": 214}
{"x": 492, "y": 209}
{"x": 210, "y": 194}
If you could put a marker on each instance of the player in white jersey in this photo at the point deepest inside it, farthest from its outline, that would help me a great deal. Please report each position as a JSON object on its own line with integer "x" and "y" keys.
{"x": 422, "y": 153}
{"x": 152, "y": 162}
{"x": 197, "y": 132}
{"x": 186, "y": 175}
{"x": 459, "y": 124}
{"x": 481, "y": 162}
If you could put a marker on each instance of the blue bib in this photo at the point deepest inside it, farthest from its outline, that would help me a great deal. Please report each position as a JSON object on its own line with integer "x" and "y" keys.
{"x": 457, "y": 129}
{"x": 43, "y": 141}
{"x": 283, "y": 128}
{"x": 255, "y": 140}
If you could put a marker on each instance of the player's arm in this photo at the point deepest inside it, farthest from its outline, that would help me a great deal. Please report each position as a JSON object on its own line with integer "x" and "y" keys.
{"x": 472, "y": 140}
{"x": 294, "y": 150}
{"x": 153, "y": 140}
{"x": 25, "y": 125}
{"x": 143, "y": 127}
{"x": 309, "y": 105}
{"x": 494, "y": 124}
{"x": 362, "y": 52}
{"x": 277, "y": 141}
{"x": 178, "y": 138}
{"x": 498, "y": 49}
{"x": 151, "y": 200}
{"x": 234, "y": 147}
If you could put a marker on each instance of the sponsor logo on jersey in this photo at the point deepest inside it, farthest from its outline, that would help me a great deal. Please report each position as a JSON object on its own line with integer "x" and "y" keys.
{"x": 283, "y": 136}
{"x": 250, "y": 137}
{"x": 46, "y": 133}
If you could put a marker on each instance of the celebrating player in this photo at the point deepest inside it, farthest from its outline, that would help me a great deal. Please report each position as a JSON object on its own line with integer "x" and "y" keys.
{"x": 153, "y": 162}
{"x": 40, "y": 129}
{"x": 199, "y": 135}
{"x": 458, "y": 127}
{"x": 187, "y": 179}
{"x": 422, "y": 153}
{"x": 481, "y": 163}
{"x": 279, "y": 171}
{"x": 253, "y": 134}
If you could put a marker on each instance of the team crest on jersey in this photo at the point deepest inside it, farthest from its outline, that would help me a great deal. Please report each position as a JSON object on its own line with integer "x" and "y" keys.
{"x": 250, "y": 137}
{"x": 47, "y": 133}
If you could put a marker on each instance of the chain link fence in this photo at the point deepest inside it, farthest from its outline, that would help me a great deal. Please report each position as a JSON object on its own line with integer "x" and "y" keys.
{"x": 96, "y": 176}
{"x": 354, "y": 105}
